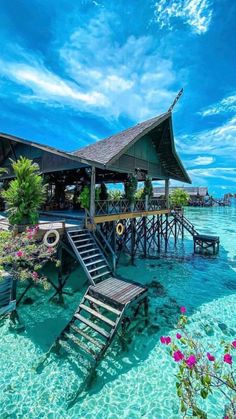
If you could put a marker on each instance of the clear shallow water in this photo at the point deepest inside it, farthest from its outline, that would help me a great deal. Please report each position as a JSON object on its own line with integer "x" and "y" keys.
{"x": 137, "y": 380}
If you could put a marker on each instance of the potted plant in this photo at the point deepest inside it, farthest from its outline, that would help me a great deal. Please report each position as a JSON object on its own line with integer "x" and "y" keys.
{"x": 130, "y": 190}
{"x": 25, "y": 194}
{"x": 147, "y": 191}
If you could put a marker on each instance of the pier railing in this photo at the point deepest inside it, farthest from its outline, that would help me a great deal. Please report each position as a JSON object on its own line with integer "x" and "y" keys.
{"x": 123, "y": 206}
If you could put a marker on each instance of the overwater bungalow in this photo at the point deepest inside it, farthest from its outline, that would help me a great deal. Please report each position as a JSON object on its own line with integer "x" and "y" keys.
{"x": 96, "y": 235}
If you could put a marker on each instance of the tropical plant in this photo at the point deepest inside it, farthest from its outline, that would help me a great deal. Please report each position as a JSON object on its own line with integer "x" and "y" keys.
{"x": 148, "y": 188}
{"x": 130, "y": 188}
{"x": 84, "y": 197}
{"x": 115, "y": 195}
{"x": 139, "y": 194}
{"x": 179, "y": 198}
{"x": 23, "y": 256}
{"x": 201, "y": 372}
{"x": 25, "y": 194}
{"x": 103, "y": 192}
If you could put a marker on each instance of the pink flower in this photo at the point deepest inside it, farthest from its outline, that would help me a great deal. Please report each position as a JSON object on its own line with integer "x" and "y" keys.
{"x": 228, "y": 359}
{"x": 226, "y": 417}
{"x": 166, "y": 340}
{"x": 35, "y": 275}
{"x": 234, "y": 343}
{"x": 183, "y": 310}
{"x": 178, "y": 356}
{"x": 210, "y": 357}
{"x": 178, "y": 335}
{"x": 191, "y": 361}
{"x": 19, "y": 254}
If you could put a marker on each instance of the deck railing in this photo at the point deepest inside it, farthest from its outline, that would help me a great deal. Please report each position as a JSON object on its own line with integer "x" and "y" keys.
{"x": 122, "y": 206}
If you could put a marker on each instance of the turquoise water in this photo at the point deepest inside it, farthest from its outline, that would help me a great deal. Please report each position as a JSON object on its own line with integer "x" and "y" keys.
{"x": 136, "y": 379}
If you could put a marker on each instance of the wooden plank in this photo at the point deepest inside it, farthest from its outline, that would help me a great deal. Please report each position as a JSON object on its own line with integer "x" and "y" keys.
{"x": 99, "y": 276}
{"x": 86, "y": 336}
{"x": 92, "y": 256}
{"x": 123, "y": 216}
{"x": 97, "y": 314}
{"x": 100, "y": 303}
{"x": 92, "y": 325}
{"x": 97, "y": 268}
{"x": 80, "y": 344}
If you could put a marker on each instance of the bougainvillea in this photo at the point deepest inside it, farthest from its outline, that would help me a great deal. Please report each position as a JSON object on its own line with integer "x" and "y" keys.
{"x": 202, "y": 372}
{"x": 24, "y": 255}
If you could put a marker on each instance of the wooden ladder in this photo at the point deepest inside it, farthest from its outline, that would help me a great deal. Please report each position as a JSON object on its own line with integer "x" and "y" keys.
{"x": 89, "y": 254}
{"x": 92, "y": 328}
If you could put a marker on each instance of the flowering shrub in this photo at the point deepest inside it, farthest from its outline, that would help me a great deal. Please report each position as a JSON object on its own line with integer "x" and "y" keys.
{"x": 23, "y": 256}
{"x": 200, "y": 372}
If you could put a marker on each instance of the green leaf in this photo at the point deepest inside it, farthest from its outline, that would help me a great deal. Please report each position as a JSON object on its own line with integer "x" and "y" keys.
{"x": 204, "y": 393}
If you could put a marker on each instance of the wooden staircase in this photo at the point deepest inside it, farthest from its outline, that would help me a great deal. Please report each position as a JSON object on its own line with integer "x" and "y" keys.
{"x": 92, "y": 328}
{"x": 89, "y": 254}
{"x": 185, "y": 223}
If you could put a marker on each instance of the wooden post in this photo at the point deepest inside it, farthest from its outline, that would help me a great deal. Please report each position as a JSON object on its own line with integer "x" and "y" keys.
{"x": 167, "y": 184}
{"x": 166, "y": 232}
{"x": 132, "y": 240}
{"x": 158, "y": 234}
{"x": 144, "y": 237}
{"x": 92, "y": 193}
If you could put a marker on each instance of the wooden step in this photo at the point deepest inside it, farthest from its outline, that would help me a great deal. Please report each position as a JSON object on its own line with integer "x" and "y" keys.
{"x": 97, "y": 268}
{"x": 80, "y": 344}
{"x": 81, "y": 235}
{"x": 103, "y": 274}
{"x": 97, "y": 314}
{"x": 94, "y": 262}
{"x": 91, "y": 256}
{"x": 86, "y": 336}
{"x": 83, "y": 240}
{"x": 85, "y": 245}
{"x": 89, "y": 250}
{"x": 101, "y": 304}
{"x": 93, "y": 326}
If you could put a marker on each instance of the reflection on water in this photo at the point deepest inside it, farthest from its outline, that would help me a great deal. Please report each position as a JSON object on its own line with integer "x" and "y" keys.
{"x": 136, "y": 379}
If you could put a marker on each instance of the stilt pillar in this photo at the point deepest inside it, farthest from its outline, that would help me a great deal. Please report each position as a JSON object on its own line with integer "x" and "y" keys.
{"x": 167, "y": 187}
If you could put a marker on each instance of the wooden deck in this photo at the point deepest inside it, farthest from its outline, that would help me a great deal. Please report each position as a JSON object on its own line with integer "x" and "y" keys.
{"x": 128, "y": 215}
{"x": 119, "y": 291}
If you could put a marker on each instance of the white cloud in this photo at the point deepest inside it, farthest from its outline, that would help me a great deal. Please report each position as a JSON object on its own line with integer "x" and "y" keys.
{"x": 223, "y": 173}
{"x": 196, "y": 13}
{"x": 220, "y": 141}
{"x": 201, "y": 161}
{"x": 135, "y": 81}
{"x": 49, "y": 87}
{"x": 227, "y": 104}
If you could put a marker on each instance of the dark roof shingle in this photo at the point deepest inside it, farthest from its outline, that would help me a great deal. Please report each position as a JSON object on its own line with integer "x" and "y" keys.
{"x": 105, "y": 150}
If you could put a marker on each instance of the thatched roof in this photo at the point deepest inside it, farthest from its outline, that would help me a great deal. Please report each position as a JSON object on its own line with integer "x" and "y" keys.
{"x": 104, "y": 151}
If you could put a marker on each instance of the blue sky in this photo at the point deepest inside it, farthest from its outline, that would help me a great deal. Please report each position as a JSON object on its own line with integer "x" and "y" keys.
{"x": 74, "y": 72}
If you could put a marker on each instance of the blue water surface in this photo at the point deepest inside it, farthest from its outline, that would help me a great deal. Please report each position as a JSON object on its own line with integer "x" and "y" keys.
{"x": 137, "y": 378}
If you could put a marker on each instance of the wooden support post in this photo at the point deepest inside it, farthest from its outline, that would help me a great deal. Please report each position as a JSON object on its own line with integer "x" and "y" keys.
{"x": 166, "y": 232}
{"x": 175, "y": 224}
{"x": 167, "y": 185}
{"x": 132, "y": 240}
{"x": 144, "y": 237}
{"x": 158, "y": 234}
{"x": 92, "y": 193}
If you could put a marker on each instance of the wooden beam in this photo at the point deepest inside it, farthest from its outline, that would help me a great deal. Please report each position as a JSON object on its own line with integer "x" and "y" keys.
{"x": 167, "y": 187}
{"x": 92, "y": 192}
{"x": 115, "y": 217}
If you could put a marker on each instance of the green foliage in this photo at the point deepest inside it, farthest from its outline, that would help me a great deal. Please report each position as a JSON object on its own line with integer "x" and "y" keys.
{"x": 130, "y": 188}
{"x": 115, "y": 195}
{"x": 23, "y": 256}
{"x": 25, "y": 194}
{"x": 179, "y": 198}
{"x": 84, "y": 197}
{"x": 148, "y": 188}
{"x": 103, "y": 192}
{"x": 139, "y": 194}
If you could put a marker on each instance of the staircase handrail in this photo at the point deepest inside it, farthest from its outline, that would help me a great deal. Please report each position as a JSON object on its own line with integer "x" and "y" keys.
{"x": 114, "y": 256}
